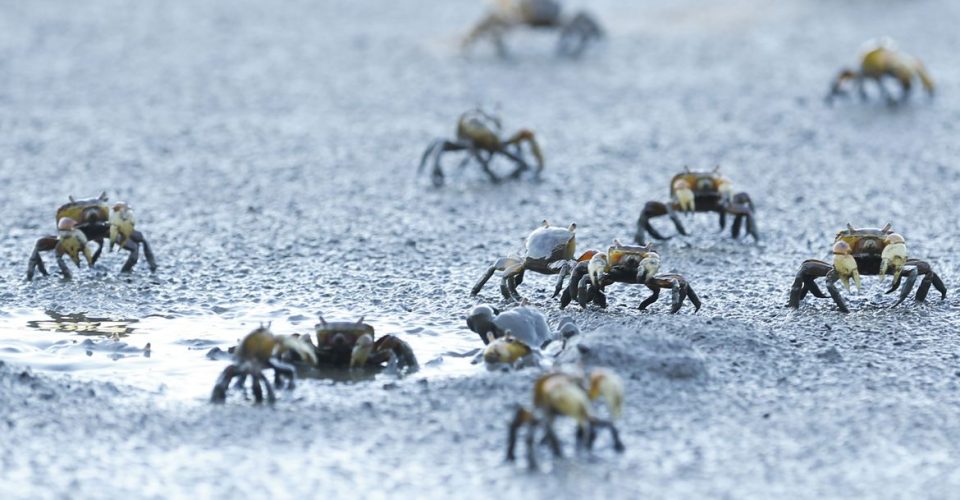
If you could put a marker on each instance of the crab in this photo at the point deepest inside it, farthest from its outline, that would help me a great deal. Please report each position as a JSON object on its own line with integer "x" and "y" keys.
{"x": 353, "y": 344}
{"x": 576, "y": 32}
{"x": 81, "y": 222}
{"x": 258, "y": 351}
{"x": 562, "y": 393}
{"x": 865, "y": 252}
{"x": 546, "y": 250}
{"x": 513, "y": 337}
{"x": 479, "y": 134}
{"x": 692, "y": 192}
{"x": 881, "y": 58}
{"x": 625, "y": 264}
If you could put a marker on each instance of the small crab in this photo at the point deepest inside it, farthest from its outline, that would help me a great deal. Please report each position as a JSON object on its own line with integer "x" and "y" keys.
{"x": 547, "y": 250}
{"x": 562, "y": 393}
{"x": 625, "y": 264}
{"x": 478, "y": 133}
{"x": 575, "y": 32}
{"x": 91, "y": 220}
{"x": 513, "y": 337}
{"x": 353, "y": 344}
{"x": 258, "y": 351}
{"x": 880, "y": 58}
{"x": 865, "y": 252}
{"x": 692, "y": 192}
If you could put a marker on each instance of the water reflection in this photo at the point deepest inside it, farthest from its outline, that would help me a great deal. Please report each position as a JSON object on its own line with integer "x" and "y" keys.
{"x": 81, "y": 324}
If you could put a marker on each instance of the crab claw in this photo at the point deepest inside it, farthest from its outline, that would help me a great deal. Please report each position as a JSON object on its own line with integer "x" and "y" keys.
{"x": 597, "y": 268}
{"x": 297, "y": 344}
{"x": 845, "y": 264}
{"x": 480, "y": 321}
{"x": 684, "y": 196}
{"x": 506, "y": 349}
{"x": 361, "y": 351}
{"x": 121, "y": 224}
{"x": 66, "y": 224}
{"x": 649, "y": 267}
{"x": 604, "y": 383}
{"x": 894, "y": 255}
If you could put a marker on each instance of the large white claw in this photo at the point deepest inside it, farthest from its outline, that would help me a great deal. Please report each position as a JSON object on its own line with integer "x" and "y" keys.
{"x": 845, "y": 265}
{"x": 894, "y": 255}
{"x": 609, "y": 385}
{"x": 298, "y": 345}
{"x": 596, "y": 268}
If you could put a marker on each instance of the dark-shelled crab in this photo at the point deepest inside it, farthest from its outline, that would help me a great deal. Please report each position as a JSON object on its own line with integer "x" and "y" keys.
{"x": 91, "y": 220}
{"x": 865, "y": 252}
{"x": 259, "y": 351}
{"x": 881, "y": 59}
{"x": 353, "y": 344}
{"x": 625, "y": 264}
{"x": 547, "y": 250}
{"x": 478, "y": 133}
{"x": 561, "y": 393}
{"x": 699, "y": 192}
{"x": 576, "y": 32}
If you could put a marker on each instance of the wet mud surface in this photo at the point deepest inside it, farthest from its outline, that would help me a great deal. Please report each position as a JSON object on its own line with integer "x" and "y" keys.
{"x": 269, "y": 152}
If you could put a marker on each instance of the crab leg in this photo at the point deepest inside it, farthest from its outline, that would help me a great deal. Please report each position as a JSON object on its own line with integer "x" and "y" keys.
{"x": 576, "y": 34}
{"x": 527, "y": 136}
{"x": 280, "y": 370}
{"x": 656, "y": 209}
{"x": 570, "y": 293}
{"x": 63, "y": 266}
{"x": 804, "y": 282}
{"x": 137, "y": 237}
{"x": 45, "y": 244}
{"x": 742, "y": 208}
{"x": 493, "y": 26}
{"x": 652, "y": 298}
{"x": 436, "y": 149}
{"x": 223, "y": 381}
{"x": 614, "y": 434}
{"x": 564, "y": 272}
{"x": 499, "y": 265}
{"x": 832, "y": 277}
{"x": 393, "y": 345}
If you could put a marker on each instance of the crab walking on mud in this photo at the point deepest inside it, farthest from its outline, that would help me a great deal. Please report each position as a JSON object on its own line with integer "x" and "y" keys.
{"x": 478, "y": 133}
{"x": 259, "y": 351}
{"x": 81, "y": 222}
{"x": 576, "y": 32}
{"x": 514, "y": 338}
{"x": 625, "y": 264}
{"x": 881, "y": 59}
{"x": 561, "y": 393}
{"x": 692, "y": 192}
{"x": 865, "y": 252}
{"x": 353, "y": 344}
{"x": 547, "y": 250}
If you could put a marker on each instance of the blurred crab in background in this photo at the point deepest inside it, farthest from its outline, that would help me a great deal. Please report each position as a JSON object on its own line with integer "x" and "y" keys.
{"x": 571, "y": 394}
{"x": 479, "y": 134}
{"x": 576, "y": 32}
{"x": 258, "y": 351}
{"x": 879, "y": 59}
{"x": 625, "y": 264}
{"x": 547, "y": 250}
{"x": 81, "y": 222}
{"x": 865, "y": 252}
{"x": 692, "y": 192}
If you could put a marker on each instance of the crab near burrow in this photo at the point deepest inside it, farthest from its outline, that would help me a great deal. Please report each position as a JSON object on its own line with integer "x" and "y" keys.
{"x": 80, "y": 222}
{"x": 353, "y": 345}
{"x": 699, "y": 192}
{"x": 258, "y": 351}
{"x": 479, "y": 134}
{"x": 865, "y": 252}
{"x": 562, "y": 393}
{"x": 881, "y": 59}
{"x": 576, "y": 32}
{"x": 625, "y": 264}
{"x": 547, "y": 250}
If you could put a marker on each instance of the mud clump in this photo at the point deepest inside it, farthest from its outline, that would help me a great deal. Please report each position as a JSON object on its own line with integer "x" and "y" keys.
{"x": 636, "y": 354}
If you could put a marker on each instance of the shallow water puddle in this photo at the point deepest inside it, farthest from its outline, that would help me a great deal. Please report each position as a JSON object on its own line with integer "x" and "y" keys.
{"x": 168, "y": 354}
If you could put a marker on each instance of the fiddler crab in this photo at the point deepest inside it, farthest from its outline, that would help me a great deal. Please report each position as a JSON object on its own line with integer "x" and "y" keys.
{"x": 479, "y": 134}
{"x": 571, "y": 394}
{"x": 865, "y": 252}
{"x": 515, "y": 338}
{"x": 879, "y": 59}
{"x": 354, "y": 345}
{"x": 258, "y": 351}
{"x": 81, "y": 222}
{"x": 547, "y": 250}
{"x": 625, "y": 264}
{"x": 575, "y": 32}
{"x": 692, "y": 192}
